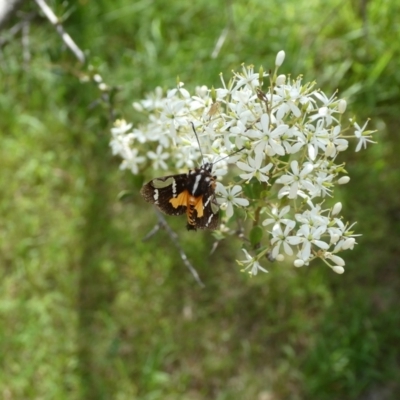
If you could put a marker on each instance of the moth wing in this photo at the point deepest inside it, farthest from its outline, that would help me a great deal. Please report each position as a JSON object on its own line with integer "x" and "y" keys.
{"x": 160, "y": 191}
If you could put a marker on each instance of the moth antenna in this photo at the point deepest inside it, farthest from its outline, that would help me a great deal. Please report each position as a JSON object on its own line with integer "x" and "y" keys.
{"x": 198, "y": 141}
{"x": 229, "y": 155}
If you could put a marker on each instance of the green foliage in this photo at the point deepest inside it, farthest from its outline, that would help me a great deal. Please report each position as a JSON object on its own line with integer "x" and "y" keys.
{"x": 89, "y": 311}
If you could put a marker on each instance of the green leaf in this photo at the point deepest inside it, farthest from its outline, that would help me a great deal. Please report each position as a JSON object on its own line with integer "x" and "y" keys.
{"x": 126, "y": 196}
{"x": 253, "y": 189}
{"x": 256, "y": 235}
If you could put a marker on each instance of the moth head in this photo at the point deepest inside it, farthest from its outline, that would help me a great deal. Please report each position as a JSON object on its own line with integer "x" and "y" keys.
{"x": 207, "y": 167}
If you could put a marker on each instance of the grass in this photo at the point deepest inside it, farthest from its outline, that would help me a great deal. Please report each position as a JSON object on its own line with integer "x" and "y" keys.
{"x": 89, "y": 311}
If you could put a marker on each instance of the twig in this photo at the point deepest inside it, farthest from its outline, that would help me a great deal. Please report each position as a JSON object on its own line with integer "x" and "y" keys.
{"x": 48, "y": 12}
{"x": 222, "y": 37}
{"x": 16, "y": 28}
{"x": 220, "y": 42}
{"x": 162, "y": 223}
{"x": 26, "y": 54}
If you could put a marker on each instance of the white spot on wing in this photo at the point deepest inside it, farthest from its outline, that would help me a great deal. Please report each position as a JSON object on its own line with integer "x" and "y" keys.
{"x": 208, "y": 200}
{"x": 174, "y": 188}
{"x": 155, "y": 196}
{"x": 196, "y": 183}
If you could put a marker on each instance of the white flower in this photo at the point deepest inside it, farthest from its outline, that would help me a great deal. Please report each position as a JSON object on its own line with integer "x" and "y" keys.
{"x": 270, "y": 138}
{"x": 321, "y": 96}
{"x": 296, "y": 180}
{"x": 277, "y": 217}
{"x": 174, "y": 113}
{"x": 179, "y": 90}
{"x": 318, "y": 138}
{"x": 120, "y": 127}
{"x": 282, "y": 238}
{"x": 338, "y": 143}
{"x": 363, "y": 139}
{"x": 289, "y": 97}
{"x": 131, "y": 160}
{"x": 310, "y": 236}
{"x": 322, "y": 182}
{"x": 253, "y": 168}
{"x": 313, "y": 217}
{"x": 229, "y": 197}
{"x": 158, "y": 158}
{"x": 248, "y": 78}
{"x": 251, "y": 263}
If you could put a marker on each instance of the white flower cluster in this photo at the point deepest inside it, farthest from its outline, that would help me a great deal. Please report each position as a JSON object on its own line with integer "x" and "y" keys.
{"x": 290, "y": 135}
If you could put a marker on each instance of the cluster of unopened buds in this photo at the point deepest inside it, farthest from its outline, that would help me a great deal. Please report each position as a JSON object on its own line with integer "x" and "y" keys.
{"x": 282, "y": 181}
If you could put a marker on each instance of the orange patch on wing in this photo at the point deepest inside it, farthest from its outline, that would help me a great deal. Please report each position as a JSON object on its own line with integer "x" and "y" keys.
{"x": 198, "y": 205}
{"x": 181, "y": 200}
{"x": 191, "y": 203}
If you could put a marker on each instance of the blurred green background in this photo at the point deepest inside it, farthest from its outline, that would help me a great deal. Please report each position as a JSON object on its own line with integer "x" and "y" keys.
{"x": 89, "y": 311}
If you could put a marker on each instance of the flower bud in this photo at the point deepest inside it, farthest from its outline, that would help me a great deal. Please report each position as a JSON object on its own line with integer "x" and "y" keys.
{"x": 298, "y": 263}
{"x": 337, "y": 260}
{"x": 97, "y": 78}
{"x": 102, "y": 86}
{"x": 343, "y": 180}
{"x": 280, "y": 57}
{"x": 137, "y": 106}
{"x": 342, "y": 106}
{"x": 338, "y": 269}
{"x": 280, "y": 257}
{"x": 337, "y": 208}
{"x": 280, "y": 80}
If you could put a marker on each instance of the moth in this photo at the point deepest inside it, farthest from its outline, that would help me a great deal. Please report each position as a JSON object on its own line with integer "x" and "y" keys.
{"x": 192, "y": 194}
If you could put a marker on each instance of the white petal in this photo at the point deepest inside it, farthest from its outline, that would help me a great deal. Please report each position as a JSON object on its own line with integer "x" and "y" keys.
{"x": 241, "y": 202}
{"x": 280, "y": 130}
{"x": 284, "y": 179}
{"x": 229, "y": 210}
{"x": 305, "y": 251}
{"x": 311, "y": 152}
{"x": 348, "y": 244}
{"x": 235, "y": 190}
{"x": 265, "y": 122}
{"x": 321, "y": 244}
{"x": 294, "y": 240}
{"x": 221, "y": 190}
{"x": 295, "y": 167}
{"x": 293, "y": 190}
{"x": 244, "y": 167}
{"x": 288, "y": 249}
